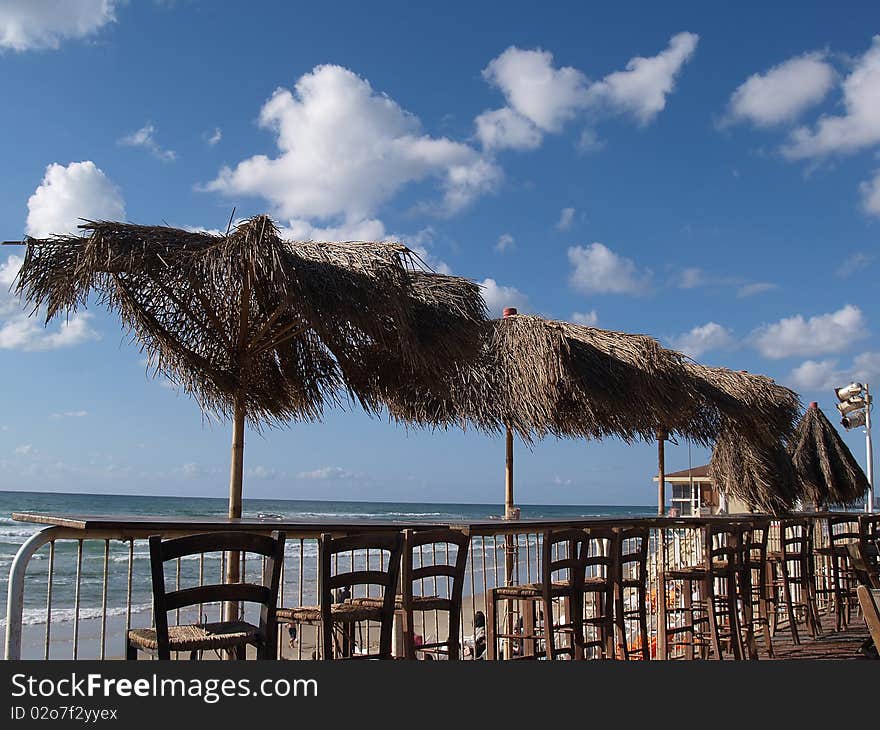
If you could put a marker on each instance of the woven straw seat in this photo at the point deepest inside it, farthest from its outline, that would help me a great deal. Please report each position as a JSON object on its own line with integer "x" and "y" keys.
{"x": 419, "y": 603}
{"x": 348, "y": 612}
{"x": 689, "y": 572}
{"x": 224, "y": 635}
{"x": 531, "y": 590}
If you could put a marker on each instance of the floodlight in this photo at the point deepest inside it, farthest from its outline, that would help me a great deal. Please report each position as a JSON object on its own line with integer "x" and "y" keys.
{"x": 853, "y": 421}
{"x": 853, "y": 404}
{"x": 848, "y": 391}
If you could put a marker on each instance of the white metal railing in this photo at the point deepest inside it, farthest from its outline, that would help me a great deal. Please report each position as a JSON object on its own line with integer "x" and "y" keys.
{"x": 88, "y": 587}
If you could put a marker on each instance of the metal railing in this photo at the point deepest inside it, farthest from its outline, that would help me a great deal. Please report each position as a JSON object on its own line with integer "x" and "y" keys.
{"x": 75, "y": 593}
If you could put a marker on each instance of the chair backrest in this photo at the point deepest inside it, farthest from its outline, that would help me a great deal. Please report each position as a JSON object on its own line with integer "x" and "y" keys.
{"x": 755, "y": 536}
{"x": 865, "y": 572}
{"x": 426, "y": 558}
{"x": 563, "y": 551}
{"x": 843, "y": 530}
{"x": 265, "y": 593}
{"x": 601, "y": 553}
{"x": 388, "y": 547}
{"x": 632, "y": 556}
{"x": 722, "y": 545}
{"x": 869, "y": 602}
{"x": 796, "y": 537}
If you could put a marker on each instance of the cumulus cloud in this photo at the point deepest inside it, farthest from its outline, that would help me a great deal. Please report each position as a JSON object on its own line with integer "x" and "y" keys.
{"x": 566, "y": 218}
{"x": 704, "y": 338}
{"x": 344, "y": 150}
{"x": 504, "y": 128}
{"x": 852, "y": 263}
{"x": 641, "y": 89}
{"x": 146, "y": 137}
{"x": 541, "y": 97}
{"x": 505, "y": 242}
{"x": 19, "y": 331}
{"x": 326, "y": 473}
{"x": 589, "y": 319}
{"x": 825, "y": 374}
{"x": 858, "y": 127}
{"x": 599, "y": 270}
{"x": 68, "y": 194}
{"x": 870, "y": 191}
{"x": 498, "y": 297}
{"x": 213, "y": 138}
{"x": 756, "y": 287}
{"x": 818, "y": 335}
{"x": 28, "y": 24}
{"x": 783, "y": 92}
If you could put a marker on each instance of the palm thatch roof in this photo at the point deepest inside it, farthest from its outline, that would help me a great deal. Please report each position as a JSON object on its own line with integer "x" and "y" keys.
{"x": 281, "y": 327}
{"x": 826, "y": 469}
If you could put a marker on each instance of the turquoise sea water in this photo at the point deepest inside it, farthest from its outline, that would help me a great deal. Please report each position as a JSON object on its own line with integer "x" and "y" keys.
{"x": 12, "y": 534}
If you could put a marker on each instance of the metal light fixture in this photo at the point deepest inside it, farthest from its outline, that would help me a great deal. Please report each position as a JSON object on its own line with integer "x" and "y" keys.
{"x": 855, "y": 407}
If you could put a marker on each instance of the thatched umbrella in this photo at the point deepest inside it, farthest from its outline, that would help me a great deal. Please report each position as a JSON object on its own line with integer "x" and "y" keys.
{"x": 261, "y": 329}
{"x": 827, "y": 471}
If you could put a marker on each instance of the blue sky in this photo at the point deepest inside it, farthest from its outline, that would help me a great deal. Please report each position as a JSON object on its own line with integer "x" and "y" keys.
{"x": 706, "y": 175}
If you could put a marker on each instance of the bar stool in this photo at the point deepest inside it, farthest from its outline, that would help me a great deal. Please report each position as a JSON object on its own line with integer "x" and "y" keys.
{"x": 791, "y": 577}
{"x": 631, "y": 593}
{"x": 869, "y": 542}
{"x": 338, "y": 618}
{"x": 710, "y": 619}
{"x": 230, "y": 636}
{"x": 426, "y": 557}
{"x": 841, "y": 530}
{"x": 601, "y": 567}
{"x": 564, "y": 552}
{"x": 754, "y": 586}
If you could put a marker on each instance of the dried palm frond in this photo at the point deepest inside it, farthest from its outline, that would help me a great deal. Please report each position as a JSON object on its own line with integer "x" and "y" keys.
{"x": 825, "y": 467}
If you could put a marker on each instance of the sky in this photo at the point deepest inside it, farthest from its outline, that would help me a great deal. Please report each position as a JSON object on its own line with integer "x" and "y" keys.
{"x": 704, "y": 173}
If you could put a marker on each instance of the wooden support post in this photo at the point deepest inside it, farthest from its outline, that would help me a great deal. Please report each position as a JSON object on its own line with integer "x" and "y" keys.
{"x": 661, "y": 472}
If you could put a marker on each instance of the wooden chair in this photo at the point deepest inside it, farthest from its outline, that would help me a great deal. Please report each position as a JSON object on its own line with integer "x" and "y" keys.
{"x": 338, "y": 619}
{"x": 426, "y": 557}
{"x": 869, "y": 540}
{"x": 862, "y": 567}
{"x": 631, "y": 592}
{"x": 562, "y": 581}
{"x": 841, "y": 531}
{"x": 753, "y": 585}
{"x": 711, "y": 620}
{"x": 791, "y": 577}
{"x": 233, "y": 636}
{"x": 601, "y": 565}
{"x": 869, "y": 602}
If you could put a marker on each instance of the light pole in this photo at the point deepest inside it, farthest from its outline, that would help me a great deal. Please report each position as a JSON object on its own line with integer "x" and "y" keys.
{"x": 855, "y": 407}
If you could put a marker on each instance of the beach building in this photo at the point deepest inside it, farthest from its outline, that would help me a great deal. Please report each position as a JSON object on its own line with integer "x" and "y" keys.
{"x": 693, "y": 493}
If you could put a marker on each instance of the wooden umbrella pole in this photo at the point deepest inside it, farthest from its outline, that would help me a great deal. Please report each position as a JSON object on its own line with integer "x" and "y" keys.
{"x": 661, "y": 472}
{"x": 236, "y": 474}
{"x": 508, "y": 477}
{"x": 509, "y": 548}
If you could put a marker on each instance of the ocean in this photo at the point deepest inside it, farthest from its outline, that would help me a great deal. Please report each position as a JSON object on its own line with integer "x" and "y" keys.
{"x": 12, "y": 534}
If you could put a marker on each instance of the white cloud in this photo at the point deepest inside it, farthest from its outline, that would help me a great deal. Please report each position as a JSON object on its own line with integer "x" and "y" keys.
{"x": 344, "y": 150}
{"x": 68, "y": 194}
{"x": 535, "y": 90}
{"x": 34, "y": 24}
{"x": 641, "y": 89}
{"x": 858, "y": 127}
{"x": 21, "y": 332}
{"x": 70, "y": 414}
{"x": 822, "y": 334}
{"x": 814, "y": 375}
{"x": 870, "y": 191}
{"x": 598, "y": 270}
{"x": 588, "y": 319}
{"x": 825, "y": 374}
{"x": 783, "y": 92}
{"x": 566, "y": 218}
{"x": 852, "y": 263}
{"x": 589, "y": 142}
{"x": 504, "y": 128}
{"x": 704, "y": 338}
{"x": 756, "y": 287}
{"x": 214, "y": 137}
{"x": 261, "y": 472}
{"x": 326, "y": 473}
{"x": 25, "y": 449}
{"x": 692, "y": 278}
{"x": 505, "y": 242}
{"x": 541, "y": 98}
{"x": 499, "y": 297}
{"x": 146, "y": 137}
